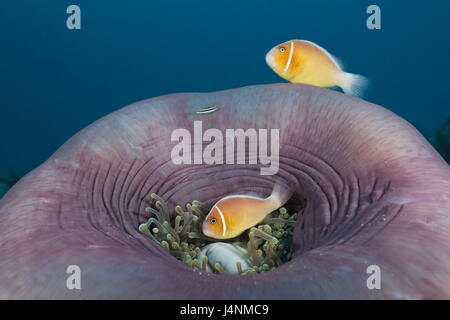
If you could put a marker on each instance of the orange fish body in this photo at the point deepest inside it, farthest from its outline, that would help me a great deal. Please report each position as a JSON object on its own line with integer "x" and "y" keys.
{"x": 301, "y": 61}
{"x": 232, "y": 215}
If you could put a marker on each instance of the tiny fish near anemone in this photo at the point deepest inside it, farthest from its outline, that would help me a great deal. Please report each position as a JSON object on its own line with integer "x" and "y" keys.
{"x": 301, "y": 61}
{"x": 234, "y": 214}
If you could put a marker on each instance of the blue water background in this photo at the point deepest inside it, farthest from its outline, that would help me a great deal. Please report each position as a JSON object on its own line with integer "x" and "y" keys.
{"x": 54, "y": 82}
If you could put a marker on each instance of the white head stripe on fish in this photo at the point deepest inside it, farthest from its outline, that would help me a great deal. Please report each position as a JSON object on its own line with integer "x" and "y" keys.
{"x": 290, "y": 57}
{"x": 223, "y": 221}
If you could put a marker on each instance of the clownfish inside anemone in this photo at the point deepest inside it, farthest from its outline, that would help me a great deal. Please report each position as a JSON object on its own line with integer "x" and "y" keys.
{"x": 301, "y": 61}
{"x": 234, "y": 214}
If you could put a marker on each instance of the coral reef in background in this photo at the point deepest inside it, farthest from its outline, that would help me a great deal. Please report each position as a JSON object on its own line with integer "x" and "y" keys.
{"x": 7, "y": 181}
{"x": 442, "y": 139}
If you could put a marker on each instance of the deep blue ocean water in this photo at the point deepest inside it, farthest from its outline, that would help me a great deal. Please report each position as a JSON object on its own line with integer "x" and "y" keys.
{"x": 55, "y": 81}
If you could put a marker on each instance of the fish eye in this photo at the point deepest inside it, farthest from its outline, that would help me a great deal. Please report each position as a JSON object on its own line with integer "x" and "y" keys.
{"x": 282, "y": 49}
{"x": 213, "y": 220}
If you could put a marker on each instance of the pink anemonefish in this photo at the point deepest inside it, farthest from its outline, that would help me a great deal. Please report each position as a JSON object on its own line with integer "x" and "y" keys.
{"x": 234, "y": 214}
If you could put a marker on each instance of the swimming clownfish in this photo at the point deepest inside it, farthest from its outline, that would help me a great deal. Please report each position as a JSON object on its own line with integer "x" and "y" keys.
{"x": 301, "y": 61}
{"x": 232, "y": 215}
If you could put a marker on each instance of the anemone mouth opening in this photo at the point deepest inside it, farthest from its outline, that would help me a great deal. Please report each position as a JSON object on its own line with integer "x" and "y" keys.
{"x": 261, "y": 248}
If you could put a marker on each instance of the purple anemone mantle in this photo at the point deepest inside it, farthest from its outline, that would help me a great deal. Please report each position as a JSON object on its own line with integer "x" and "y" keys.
{"x": 377, "y": 194}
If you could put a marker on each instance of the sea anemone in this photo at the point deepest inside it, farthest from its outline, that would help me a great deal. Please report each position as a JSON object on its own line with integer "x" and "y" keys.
{"x": 260, "y": 249}
{"x": 369, "y": 191}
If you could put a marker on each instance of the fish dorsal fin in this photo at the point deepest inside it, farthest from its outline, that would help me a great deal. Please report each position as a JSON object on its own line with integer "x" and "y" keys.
{"x": 338, "y": 62}
{"x": 242, "y": 196}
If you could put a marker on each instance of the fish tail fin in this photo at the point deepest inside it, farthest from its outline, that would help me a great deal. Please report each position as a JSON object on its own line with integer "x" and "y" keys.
{"x": 353, "y": 84}
{"x": 280, "y": 195}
